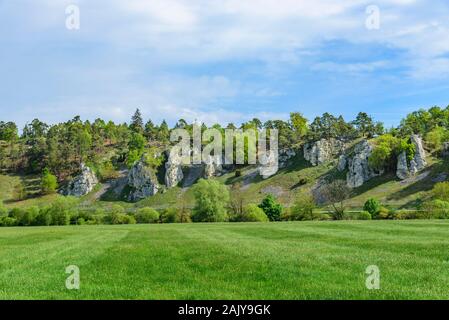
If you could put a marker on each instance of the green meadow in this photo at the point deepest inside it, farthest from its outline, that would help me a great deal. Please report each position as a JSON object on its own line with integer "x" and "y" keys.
{"x": 297, "y": 260}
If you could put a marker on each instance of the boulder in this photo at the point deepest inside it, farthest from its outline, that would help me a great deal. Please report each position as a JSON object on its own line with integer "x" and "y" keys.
{"x": 402, "y": 170}
{"x": 419, "y": 160}
{"x": 342, "y": 163}
{"x": 82, "y": 184}
{"x": 359, "y": 169}
{"x": 142, "y": 181}
{"x": 173, "y": 170}
{"x": 322, "y": 151}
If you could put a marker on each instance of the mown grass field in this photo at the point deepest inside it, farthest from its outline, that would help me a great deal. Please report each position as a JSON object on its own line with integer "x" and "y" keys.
{"x": 304, "y": 260}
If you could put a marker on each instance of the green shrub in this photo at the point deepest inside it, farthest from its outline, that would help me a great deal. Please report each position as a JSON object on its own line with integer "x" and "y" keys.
{"x": 364, "y": 215}
{"x": 437, "y": 209}
{"x": 211, "y": 201}
{"x": 49, "y": 182}
{"x": 303, "y": 209}
{"x": 169, "y": 215}
{"x": 7, "y": 221}
{"x": 272, "y": 208}
{"x": 61, "y": 210}
{"x": 24, "y": 217}
{"x": 372, "y": 206}
{"x": 252, "y": 213}
{"x": 383, "y": 213}
{"x": 147, "y": 215}
{"x": 44, "y": 217}
{"x": 440, "y": 191}
{"x": 3, "y": 210}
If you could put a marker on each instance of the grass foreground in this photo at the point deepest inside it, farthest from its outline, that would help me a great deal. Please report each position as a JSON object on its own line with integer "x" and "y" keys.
{"x": 302, "y": 260}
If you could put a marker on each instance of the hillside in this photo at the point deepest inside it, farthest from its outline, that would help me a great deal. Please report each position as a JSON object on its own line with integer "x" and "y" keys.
{"x": 297, "y": 177}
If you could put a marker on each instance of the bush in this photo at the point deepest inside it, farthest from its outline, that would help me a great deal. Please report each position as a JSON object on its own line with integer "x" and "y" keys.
{"x": 383, "y": 213}
{"x": 372, "y": 206}
{"x": 49, "y": 182}
{"x": 115, "y": 215}
{"x": 441, "y": 191}
{"x": 437, "y": 209}
{"x": 106, "y": 171}
{"x": 61, "y": 211}
{"x": 3, "y": 210}
{"x": 252, "y": 213}
{"x": 272, "y": 208}
{"x": 147, "y": 215}
{"x": 364, "y": 215}
{"x": 303, "y": 209}
{"x": 169, "y": 215}
{"x": 211, "y": 200}
{"x": 7, "y": 222}
{"x": 44, "y": 218}
{"x": 19, "y": 192}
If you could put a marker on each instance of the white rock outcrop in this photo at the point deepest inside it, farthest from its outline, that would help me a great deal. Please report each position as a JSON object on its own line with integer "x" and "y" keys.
{"x": 322, "y": 151}
{"x": 142, "y": 181}
{"x": 82, "y": 184}
{"x": 213, "y": 167}
{"x": 419, "y": 160}
{"x": 359, "y": 169}
{"x": 173, "y": 170}
{"x": 402, "y": 170}
{"x": 269, "y": 165}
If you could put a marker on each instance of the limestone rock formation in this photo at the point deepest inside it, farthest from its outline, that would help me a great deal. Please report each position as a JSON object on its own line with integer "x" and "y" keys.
{"x": 419, "y": 161}
{"x": 359, "y": 169}
{"x": 342, "y": 163}
{"x": 402, "y": 170}
{"x": 142, "y": 181}
{"x": 82, "y": 184}
{"x": 213, "y": 167}
{"x": 271, "y": 165}
{"x": 323, "y": 150}
{"x": 285, "y": 156}
{"x": 173, "y": 170}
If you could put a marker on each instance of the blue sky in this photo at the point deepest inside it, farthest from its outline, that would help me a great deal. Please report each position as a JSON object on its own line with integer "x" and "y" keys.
{"x": 221, "y": 61}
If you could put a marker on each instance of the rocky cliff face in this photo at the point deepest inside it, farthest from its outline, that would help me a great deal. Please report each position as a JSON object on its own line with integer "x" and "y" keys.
{"x": 142, "y": 182}
{"x": 359, "y": 169}
{"x": 173, "y": 170}
{"x": 321, "y": 151}
{"x": 419, "y": 161}
{"x": 82, "y": 184}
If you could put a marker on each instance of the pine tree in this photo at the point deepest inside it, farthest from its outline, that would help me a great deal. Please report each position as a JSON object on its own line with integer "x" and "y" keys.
{"x": 137, "y": 122}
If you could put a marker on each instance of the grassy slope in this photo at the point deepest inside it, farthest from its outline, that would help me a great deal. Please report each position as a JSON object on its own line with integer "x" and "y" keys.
{"x": 285, "y": 184}
{"x": 319, "y": 260}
